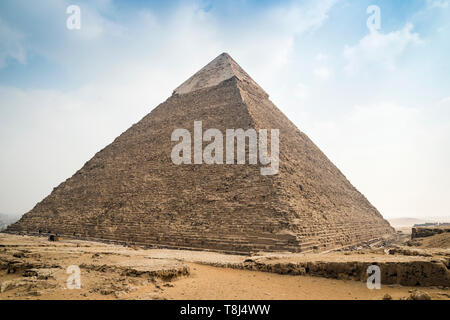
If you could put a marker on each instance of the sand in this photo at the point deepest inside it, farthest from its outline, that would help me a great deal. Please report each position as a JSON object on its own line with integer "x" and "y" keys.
{"x": 35, "y": 268}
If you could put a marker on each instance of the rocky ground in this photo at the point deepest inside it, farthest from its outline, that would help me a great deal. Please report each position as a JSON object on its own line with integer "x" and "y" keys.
{"x": 35, "y": 268}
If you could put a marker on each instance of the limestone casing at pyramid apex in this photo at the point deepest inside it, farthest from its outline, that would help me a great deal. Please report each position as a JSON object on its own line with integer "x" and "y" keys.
{"x": 222, "y": 68}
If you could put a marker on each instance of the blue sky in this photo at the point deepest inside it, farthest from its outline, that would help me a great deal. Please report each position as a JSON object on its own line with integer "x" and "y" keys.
{"x": 376, "y": 102}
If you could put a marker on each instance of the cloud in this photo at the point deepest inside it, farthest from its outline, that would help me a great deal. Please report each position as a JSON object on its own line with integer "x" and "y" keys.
{"x": 393, "y": 154}
{"x": 445, "y": 101}
{"x": 322, "y": 73}
{"x": 443, "y": 4}
{"x": 11, "y": 45}
{"x": 111, "y": 33}
{"x": 301, "y": 17}
{"x": 321, "y": 57}
{"x": 301, "y": 91}
{"x": 278, "y": 28}
{"x": 379, "y": 50}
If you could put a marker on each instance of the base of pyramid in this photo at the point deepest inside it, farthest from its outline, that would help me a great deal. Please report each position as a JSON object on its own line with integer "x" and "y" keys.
{"x": 229, "y": 246}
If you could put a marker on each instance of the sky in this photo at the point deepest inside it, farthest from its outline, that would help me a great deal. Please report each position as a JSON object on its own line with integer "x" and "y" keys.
{"x": 375, "y": 101}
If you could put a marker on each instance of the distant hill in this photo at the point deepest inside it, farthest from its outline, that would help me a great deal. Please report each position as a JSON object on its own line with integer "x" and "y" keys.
{"x": 409, "y": 222}
{"x": 405, "y": 224}
{"x": 5, "y": 220}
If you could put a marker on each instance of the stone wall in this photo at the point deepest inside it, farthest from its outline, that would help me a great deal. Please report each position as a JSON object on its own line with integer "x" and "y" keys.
{"x": 422, "y": 232}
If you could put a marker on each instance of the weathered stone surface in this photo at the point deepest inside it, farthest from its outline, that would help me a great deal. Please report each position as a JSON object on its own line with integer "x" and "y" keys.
{"x": 402, "y": 270}
{"x": 40, "y": 273}
{"x": 151, "y": 269}
{"x": 26, "y": 284}
{"x": 131, "y": 192}
{"x": 387, "y": 296}
{"x": 419, "y": 295}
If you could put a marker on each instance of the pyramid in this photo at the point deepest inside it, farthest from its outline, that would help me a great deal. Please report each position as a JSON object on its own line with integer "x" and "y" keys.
{"x": 132, "y": 193}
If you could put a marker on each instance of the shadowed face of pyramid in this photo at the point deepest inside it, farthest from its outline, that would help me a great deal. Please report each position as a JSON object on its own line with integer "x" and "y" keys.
{"x": 133, "y": 192}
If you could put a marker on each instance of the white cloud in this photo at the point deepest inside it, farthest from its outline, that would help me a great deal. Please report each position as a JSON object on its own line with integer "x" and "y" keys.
{"x": 301, "y": 91}
{"x": 321, "y": 57}
{"x": 94, "y": 25}
{"x": 299, "y": 18}
{"x": 323, "y": 73}
{"x": 445, "y": 101}
{"x": 272, "y": 43}
{"x": 393, "y": 154}
{"x": 443, "y": 4}
{"x": 379, "y": 50}
{"x": 11, "y": 46}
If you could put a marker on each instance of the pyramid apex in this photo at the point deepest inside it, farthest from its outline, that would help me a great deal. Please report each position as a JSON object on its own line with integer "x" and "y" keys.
{"x": 221, "y": 68}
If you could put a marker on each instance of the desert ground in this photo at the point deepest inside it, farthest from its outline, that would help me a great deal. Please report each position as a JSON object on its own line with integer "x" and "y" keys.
{"x": 36, "y": 268}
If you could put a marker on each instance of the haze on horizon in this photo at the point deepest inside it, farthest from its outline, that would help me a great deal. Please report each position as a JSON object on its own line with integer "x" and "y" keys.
{"x": 376, "y": 103}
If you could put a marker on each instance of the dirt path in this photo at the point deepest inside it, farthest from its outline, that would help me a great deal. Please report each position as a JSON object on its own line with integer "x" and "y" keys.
{"x": 206, "y": 282}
